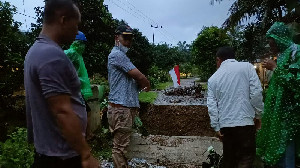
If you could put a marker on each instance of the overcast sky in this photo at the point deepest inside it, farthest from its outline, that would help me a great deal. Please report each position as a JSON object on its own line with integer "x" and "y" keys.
{"x": 181, "y": 20}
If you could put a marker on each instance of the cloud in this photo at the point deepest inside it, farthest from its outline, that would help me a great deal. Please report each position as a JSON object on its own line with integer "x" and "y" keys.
{"x": 182, "y": 20}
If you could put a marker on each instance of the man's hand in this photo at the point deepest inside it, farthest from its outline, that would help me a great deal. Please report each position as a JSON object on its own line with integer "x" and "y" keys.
{"x": 257, "y": 123}
{"x": 90, "y": 162}
{"x": 269, "y": 64}
{"x": 145, "y": 89}
{"x": 220, "y": 136}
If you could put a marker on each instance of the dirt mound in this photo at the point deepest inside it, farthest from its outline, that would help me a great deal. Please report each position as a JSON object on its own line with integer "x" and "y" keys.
{"x": 176, "y": 120}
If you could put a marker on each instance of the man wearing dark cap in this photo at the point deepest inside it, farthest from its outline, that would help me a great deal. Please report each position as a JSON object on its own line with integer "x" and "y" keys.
{"x": 56, "y": 114}
{"x": 125, "y": 80}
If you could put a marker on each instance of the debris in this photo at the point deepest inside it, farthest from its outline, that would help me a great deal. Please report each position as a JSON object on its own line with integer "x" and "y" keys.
{"x": 133, "y": 163}
{"x": 195, "y": 91}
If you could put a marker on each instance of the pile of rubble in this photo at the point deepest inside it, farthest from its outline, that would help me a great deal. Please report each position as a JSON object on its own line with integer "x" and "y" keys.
{"x": 193, "y": 95}
{"x": 195, "y": 91}
{"x": 133, "y": 163}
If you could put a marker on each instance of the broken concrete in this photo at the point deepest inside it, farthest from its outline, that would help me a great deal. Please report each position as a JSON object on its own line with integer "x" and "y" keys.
{"x": 168, "y": 150}
{"x": 95, "y": 118}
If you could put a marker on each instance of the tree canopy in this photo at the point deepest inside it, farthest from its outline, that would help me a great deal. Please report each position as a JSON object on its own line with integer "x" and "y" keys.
{"x": 204, "y": 49}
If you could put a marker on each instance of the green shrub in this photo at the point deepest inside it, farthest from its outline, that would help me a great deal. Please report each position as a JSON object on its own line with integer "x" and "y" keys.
{"x": 101, "y": 144}
{"x": 156, "y": 76}
{"x": 97, "y": 79}
{"x": 16, "y": 152}
{"x": 104, "y": 104}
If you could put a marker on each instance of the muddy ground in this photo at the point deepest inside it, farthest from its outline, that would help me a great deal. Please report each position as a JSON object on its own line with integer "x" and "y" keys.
{"x": 176, "y": 120}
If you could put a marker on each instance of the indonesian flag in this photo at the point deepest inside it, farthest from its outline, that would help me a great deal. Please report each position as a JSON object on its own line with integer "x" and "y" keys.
{"x": 175, "y": 75}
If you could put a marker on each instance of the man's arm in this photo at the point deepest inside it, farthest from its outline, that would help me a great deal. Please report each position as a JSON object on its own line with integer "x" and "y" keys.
{"x": 69, "y": 125}
{"x": 54, "y": 80}
{"x": 212, "y": 105}
{"x": 123, "y": 63}
{"x": 256, "y": 98}
{"x": 140, "y": 78}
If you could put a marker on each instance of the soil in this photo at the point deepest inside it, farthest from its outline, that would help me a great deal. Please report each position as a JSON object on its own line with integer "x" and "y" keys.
{"x": 176, "y": 120}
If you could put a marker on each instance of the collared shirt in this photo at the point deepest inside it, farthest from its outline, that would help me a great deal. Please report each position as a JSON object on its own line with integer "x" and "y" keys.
{"x": 123, "y": 88}
{"x": 49, "y": 72}
{"x": 234, "y": 95}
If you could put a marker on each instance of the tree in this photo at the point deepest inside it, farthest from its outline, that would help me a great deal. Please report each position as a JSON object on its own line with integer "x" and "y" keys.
{"x": 204, "y": 49}
{"x": 13, "y": 48}
{"x": 36, "y": 28}
{"x": 98, "y": 26}
{"x": 141, "y": 52}
{"x": 187, "y": 65}
{"x": 248, "y": 41}
{"x": 166, "y": 57}
{"x": 252, "y": 45}
{"x": 265, "y": 11}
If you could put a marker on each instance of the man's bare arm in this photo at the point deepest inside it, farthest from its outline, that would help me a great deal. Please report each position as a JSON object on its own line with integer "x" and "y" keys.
{"x": 69, "y": 125}
{"x": 140, "y": 78}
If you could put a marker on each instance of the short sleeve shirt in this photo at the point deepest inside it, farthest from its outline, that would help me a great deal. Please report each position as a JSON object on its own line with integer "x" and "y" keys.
{"x": 49, "y": 72}
{"x": 123, "y": 88}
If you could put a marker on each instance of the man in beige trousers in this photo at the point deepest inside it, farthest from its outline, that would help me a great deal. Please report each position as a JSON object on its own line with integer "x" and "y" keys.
{"x": 125, "y": 81}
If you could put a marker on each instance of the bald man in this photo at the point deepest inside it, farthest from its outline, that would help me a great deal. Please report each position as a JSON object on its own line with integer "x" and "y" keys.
{"x": 56, "y": 116}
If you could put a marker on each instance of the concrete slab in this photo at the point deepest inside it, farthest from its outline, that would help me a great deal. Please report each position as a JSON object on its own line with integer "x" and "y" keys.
{"x": 158, "y": 149}
{"x": 95, "y": 114}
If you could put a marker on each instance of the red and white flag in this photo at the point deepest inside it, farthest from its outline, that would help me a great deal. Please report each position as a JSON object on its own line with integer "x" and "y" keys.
{"x": 175, "y": 75}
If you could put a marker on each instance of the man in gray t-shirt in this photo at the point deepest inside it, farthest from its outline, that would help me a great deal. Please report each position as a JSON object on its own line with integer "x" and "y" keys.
{"x": 56, "y": 117}
{"x": 124, "y": 82}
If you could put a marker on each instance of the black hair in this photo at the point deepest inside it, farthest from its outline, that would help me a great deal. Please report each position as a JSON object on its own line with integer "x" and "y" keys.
{"x": 225, "y": 53}
{"x": 54, "y": 6}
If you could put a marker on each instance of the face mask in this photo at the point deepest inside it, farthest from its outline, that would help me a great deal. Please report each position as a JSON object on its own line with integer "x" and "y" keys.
{"x": 123, "y": 48}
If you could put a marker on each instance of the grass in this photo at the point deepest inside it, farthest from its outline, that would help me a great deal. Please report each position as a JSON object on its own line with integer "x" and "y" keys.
{"x": 162, "y": 86}
{"x": 147, "y": 97}
{"x": 204, "y": 86}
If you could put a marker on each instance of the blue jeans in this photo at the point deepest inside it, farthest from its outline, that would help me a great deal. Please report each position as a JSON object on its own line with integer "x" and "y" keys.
{"x": 288, "y": 159}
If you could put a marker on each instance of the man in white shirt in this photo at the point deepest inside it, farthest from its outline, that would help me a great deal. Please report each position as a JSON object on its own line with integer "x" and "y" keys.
{"x": 235, "y": 105}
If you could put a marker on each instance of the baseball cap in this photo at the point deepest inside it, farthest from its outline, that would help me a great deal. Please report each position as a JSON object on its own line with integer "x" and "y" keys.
{"x": 124, "y": 29}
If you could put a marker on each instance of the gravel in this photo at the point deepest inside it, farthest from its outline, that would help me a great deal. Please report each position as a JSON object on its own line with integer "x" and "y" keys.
{"x": 133, "y": 163}
{"x": 163, "y": 99}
